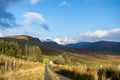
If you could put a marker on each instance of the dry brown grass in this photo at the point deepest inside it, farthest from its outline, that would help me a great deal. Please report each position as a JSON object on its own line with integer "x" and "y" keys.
{"x": 23, "y": 70}
{"x": 35, "y": 73}
{"x": 95, "y": 56}
{"x": 77, "y": 72}
{"x": 88, "y": 72}
{"x": 97, "y": 59}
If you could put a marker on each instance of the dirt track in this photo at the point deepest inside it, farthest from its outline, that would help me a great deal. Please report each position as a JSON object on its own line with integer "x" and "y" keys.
{"x": 48, "y": 77}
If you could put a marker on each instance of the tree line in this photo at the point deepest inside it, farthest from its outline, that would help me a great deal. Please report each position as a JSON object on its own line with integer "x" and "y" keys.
{"x": 12, "y": 48}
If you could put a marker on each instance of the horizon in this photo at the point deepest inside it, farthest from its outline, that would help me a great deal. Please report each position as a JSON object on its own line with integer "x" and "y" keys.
{"x": 50, "y": 40}
{"x": 63, "y": 21}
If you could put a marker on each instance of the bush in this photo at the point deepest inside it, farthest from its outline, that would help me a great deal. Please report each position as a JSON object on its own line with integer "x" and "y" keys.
{"x": 109, "y": 72}
{"x": 115, "y": 76}
{"x": 101, "y": 74}
{"x": 75, "y": 75}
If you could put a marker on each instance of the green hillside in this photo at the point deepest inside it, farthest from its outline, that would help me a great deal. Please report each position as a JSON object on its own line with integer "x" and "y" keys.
{"x": 22, "y": 46}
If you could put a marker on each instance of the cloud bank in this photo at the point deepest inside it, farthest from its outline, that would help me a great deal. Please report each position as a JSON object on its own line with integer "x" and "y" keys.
{"x": 7, "y": 19}
{"x": 64, "y": 41}
{"x": 108, "y": 35}
{"x": 98, "y": 35}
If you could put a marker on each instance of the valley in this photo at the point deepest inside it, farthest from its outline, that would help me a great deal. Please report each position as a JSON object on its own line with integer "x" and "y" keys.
{"x": 25, "y": 56}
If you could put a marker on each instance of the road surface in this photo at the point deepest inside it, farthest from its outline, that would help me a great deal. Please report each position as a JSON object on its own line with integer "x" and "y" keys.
{"x": 48, "y": 77}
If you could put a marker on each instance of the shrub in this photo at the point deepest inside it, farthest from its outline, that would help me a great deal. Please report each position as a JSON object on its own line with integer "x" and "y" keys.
{"x": 76, "y": 75}
{"x": 109, "y": 72}
{"x": 115, "y": 76}
{"x": 101, "y": 74}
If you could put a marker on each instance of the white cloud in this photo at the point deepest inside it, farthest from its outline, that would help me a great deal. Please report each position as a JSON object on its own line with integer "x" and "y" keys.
{"x": 63, "y": 41}
{"x": 115, "y": 30}
{"x": 58, "y": 40}
{"x": 108, "y": 35}
{"x": 65, "y": 3}
{"x": 30, "y": 17}
{"x": 1, "y": 35}
{"x": 98, "y": 33}
{"x": 35, "y": 1}
{"x": 34, "y": 19}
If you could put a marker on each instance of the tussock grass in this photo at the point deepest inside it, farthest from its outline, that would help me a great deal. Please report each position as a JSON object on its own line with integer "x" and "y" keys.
{"x": 77, "y": 72}
{"x": 88, "y": 73}
{"x": 108, "y": 73}
{"x": 17, "y": 69}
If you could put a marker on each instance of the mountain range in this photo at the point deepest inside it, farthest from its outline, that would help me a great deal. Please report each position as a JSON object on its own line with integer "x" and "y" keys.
{"x": 100, "y": 46}
{"x": 51, "y": 47}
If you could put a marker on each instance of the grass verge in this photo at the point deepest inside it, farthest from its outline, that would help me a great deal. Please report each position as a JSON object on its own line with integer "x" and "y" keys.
{"x": 52, "y": 74}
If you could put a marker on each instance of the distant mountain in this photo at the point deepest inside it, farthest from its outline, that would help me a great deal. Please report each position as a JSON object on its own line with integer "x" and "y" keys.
{"x": 52, "y": 44}
{"x": 77, "y": 45}
{"x": 100, "y": 46}
{"x": 51, "y": 47}
{"x": 105, "y": 46}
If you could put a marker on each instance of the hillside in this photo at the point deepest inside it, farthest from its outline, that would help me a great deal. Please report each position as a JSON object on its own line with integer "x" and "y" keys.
{"x": 29, "y": 46}
{"x": 21, "y": 46}
{"x": 51, "y": 47}
{"x": 100, "y": 46}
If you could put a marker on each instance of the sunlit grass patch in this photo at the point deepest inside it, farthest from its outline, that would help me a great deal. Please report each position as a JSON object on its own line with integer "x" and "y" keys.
{"x": 22, "y": 70}
{"x": 88, "y": 72}
{"x": 76, "y": 72}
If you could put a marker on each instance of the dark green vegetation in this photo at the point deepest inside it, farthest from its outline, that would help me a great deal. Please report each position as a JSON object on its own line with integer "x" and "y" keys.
{"x": 24, "y": 47}
{"x": 108, "y": 73}
{"x": 76, "y": 76}
{"x": 51, "y": 48}
{"x": 10, "y": 48}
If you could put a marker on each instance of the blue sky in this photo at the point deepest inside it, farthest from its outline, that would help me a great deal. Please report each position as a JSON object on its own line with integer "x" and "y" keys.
{"x": 64, "y": 21}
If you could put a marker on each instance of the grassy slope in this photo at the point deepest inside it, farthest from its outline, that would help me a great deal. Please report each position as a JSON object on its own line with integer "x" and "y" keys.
{"x": 88, "y": 59}
{"x": 30, "y": 47}
{"x": 22, "y": 40}
{"x": 23, "y": 70}
{"x": 87, "y": 66}
{"x": 96, "y": 59}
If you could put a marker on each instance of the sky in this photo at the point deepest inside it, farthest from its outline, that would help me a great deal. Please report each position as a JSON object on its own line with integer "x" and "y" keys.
{"x": 63, "y": 21}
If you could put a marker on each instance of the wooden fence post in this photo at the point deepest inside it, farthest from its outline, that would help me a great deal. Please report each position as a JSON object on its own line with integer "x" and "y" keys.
{"x": 6, "y": 65}
{"x": 14, "y": 64}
